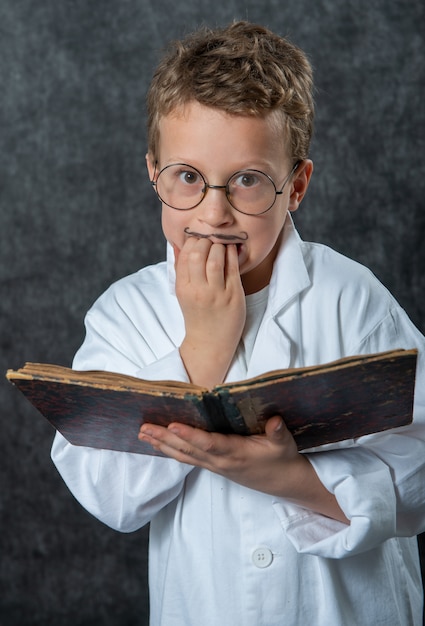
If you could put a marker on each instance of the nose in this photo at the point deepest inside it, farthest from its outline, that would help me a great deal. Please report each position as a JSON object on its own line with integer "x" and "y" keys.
{"x": 215, "y": 209}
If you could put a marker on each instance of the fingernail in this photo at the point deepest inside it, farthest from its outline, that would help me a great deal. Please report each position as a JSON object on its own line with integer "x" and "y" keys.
{"x": 278, "y": 427}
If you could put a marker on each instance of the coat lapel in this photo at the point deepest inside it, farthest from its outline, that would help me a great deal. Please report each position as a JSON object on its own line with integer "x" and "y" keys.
{"x": 279, "y": 335}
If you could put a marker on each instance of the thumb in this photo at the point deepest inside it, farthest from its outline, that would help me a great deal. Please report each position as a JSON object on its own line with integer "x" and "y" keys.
{"x": 275, "y": 428}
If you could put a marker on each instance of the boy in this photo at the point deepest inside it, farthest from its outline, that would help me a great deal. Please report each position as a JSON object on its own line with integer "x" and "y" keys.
{"x": 247, "y": 531}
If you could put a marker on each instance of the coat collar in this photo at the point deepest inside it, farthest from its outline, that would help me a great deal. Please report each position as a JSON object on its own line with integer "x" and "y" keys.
{"x": 290, "y": 276}
{"x": 279, "y": 333}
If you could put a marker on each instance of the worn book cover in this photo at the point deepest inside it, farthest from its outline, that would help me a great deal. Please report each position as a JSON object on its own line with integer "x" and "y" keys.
{"x": 322, "y": 404}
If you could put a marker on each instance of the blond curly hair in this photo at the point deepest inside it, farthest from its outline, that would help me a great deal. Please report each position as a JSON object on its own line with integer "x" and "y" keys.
{"x": 242, "y": 69}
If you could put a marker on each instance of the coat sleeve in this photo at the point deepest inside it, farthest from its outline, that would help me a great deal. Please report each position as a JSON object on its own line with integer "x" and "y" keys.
{"x": 122, "y": 490}
{"x": 379, "y": 481}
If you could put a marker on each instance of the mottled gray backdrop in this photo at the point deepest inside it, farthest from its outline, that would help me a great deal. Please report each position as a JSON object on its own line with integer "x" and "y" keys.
{"x": 77, "y": 212}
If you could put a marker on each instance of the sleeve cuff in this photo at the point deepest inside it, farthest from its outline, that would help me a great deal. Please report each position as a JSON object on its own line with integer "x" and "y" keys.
{"x": 364, "y": 490}
{"x": 170, "y": 367}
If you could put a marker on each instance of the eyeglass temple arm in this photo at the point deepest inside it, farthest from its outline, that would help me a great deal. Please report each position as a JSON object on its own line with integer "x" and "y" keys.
{"x": 294, "y": 169}
{"x": 153, "y": 181}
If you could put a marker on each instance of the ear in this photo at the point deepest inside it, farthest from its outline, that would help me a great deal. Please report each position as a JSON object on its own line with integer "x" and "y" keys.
{"x": 150, "y": 164}
{"x": 299, "y": 184}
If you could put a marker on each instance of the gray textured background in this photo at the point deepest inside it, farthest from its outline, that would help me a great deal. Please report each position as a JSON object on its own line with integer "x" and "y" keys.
{"x": 76, "y": 213}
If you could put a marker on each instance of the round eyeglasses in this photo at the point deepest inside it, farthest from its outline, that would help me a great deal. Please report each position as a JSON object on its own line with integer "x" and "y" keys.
{"x": 183, "y": 187}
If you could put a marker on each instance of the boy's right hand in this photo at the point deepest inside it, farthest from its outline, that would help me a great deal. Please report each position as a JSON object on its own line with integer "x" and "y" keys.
{"x": 212, "y": 299}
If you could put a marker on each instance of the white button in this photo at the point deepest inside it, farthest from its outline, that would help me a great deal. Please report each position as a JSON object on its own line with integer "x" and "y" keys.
{"x": 262, "y": 557}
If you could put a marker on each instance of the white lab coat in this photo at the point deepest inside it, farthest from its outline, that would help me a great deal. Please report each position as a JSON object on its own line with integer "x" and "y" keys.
{"x": 222, "y": 554}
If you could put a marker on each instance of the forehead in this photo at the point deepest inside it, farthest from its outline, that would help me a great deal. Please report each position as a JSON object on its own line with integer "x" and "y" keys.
{"x": 201, "y": 133}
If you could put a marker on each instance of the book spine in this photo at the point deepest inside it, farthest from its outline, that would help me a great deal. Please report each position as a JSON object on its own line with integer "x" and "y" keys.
{"x": 211, "y": 411}
{"x": 232, "y": 413}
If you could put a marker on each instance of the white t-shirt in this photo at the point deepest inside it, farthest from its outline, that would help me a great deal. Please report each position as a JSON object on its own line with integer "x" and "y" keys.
{"x": 256, "y": 304}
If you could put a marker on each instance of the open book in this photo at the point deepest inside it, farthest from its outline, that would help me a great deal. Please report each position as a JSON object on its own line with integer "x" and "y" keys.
{"x": 323, "y": 404}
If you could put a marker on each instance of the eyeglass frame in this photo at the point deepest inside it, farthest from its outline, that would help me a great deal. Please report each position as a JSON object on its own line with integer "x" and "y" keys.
{"x": 226, "y": 186}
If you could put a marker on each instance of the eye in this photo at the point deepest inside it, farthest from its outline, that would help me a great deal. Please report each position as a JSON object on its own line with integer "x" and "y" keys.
{"x": 189, "y": 177}
{"x": 246, "y": 180}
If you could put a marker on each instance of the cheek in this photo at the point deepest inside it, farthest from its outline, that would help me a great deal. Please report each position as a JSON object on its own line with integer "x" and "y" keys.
{"x": 263, "y": 239}
{"x": 266, "y": 234}
{"x": 173, "y": 224}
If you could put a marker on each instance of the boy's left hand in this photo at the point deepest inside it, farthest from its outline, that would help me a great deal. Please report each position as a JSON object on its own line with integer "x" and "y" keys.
{"x": 269, "y": 463}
